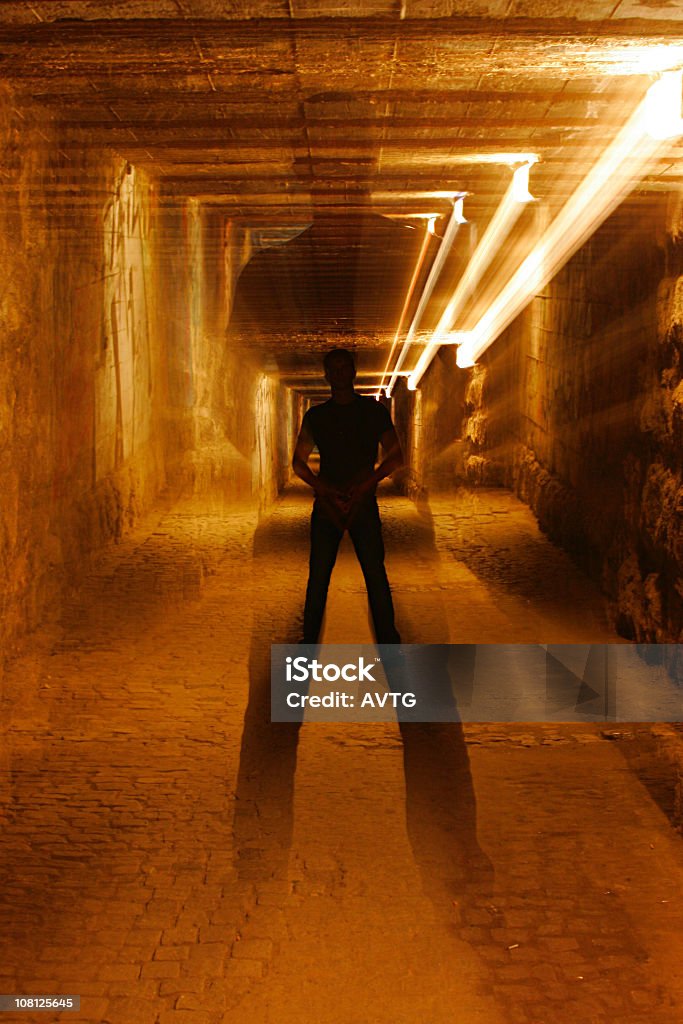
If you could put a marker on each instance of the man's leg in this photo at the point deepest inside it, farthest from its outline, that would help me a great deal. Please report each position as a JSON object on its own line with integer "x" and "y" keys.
{"x": 366, "y": 534}
{"x": 325, "y": 540}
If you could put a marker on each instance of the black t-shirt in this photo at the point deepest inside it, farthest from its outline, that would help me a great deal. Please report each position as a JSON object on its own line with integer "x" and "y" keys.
{"x": 347, "y": 437}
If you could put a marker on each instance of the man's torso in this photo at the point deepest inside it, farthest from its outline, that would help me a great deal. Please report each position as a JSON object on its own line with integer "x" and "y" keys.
{"x": 347, "y": 436}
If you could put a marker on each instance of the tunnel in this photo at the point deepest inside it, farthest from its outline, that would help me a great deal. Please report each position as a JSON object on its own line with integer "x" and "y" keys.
{"x": 480, "y": 202}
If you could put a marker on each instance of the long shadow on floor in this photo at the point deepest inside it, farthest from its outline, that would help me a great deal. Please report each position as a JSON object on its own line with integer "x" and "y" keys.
{"x": 440, "y": 798}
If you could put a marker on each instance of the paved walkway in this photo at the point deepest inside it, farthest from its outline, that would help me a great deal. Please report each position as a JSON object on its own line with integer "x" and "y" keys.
{"x": 174, "y": 858}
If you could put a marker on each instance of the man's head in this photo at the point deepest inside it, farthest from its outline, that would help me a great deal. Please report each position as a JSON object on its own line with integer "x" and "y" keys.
{"x": 340, "y": 368}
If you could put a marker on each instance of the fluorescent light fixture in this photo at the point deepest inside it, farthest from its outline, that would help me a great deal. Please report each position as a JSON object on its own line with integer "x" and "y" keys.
{"x": 656, "y": 118}
{"x": 444, "y": 156}
{"x": 411, "y": 216}
{"x": 456, "y": 219}
{"x": 663, "y": 107}
{"x": 429, "y": 232}
{"x": 457, "y": 211}
{"x": 609, "y": 180}
{"x": 509, "y": 159}
{"x": 509, "y": 209}
{"x": 520, "y": 185}
{"x": 451, "y": 338}
{"x": 464, "y": 360}
{"x": 643, "y": 60}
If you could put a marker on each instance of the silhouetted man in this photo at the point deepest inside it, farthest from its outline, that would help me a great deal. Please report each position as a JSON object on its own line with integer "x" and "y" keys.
{"x": 347, "y": 430}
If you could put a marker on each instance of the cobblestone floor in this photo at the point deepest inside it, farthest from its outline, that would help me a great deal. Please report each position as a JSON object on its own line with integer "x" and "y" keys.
{"x": 174, "y": 858}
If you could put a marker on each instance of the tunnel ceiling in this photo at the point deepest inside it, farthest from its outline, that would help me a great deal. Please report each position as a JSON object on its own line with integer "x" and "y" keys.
{"x": 285, "y": 114}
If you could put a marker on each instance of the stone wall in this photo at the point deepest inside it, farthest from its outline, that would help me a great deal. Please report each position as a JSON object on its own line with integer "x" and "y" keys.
{"x": 579, "y": 407}
{"x": 116, "y": 378}
{"x": 80, "y": 399}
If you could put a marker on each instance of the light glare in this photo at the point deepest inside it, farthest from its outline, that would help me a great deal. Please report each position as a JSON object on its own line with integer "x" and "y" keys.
{"x": 457, "y": 211}
{"x": 456, "y": 219}
{"x": 663, "y": 107}
{"x": 520, "y": 185}
{"x": 429, "y": 232}
{"x": 463, "y": 359}
{"x": 498, "y": 228}
{"x": 643, "y": 60}
{"x": 609, "y": 180}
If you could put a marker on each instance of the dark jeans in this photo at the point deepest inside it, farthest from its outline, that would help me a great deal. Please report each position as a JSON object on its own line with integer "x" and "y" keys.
{"x": 366, "y": 534}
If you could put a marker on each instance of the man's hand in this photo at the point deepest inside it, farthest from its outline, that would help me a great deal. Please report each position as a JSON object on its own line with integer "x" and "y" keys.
{"x": 359, "y": 490}
{"x": 355, "y": 498}
{"x": 326, "y": 491}
{"x": 393, "y": 459}
{"x": 333, "y": 502}
{"x": 393, "y": 455}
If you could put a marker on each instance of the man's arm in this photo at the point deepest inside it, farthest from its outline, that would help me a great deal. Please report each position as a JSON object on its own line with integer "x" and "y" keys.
{"x": 393, "y": 454}
{"x": 392, "y": 460}
{"x": 302, "y": 451}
